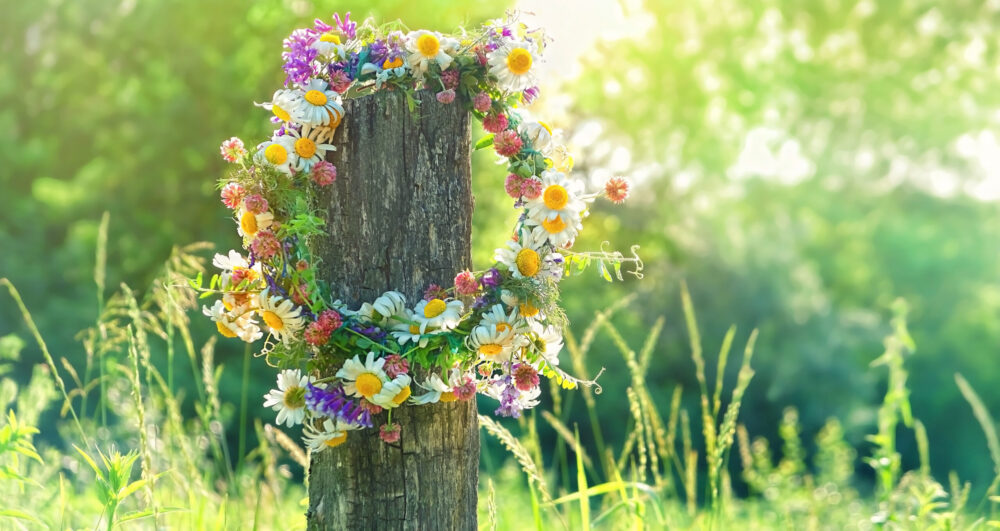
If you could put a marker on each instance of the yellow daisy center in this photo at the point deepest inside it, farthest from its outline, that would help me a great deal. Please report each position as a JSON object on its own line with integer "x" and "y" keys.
{"x": 448, "y": 396}
{"x": 335, "y": 118}
{"x": 395, "y": 63}
{"x": 330, "y": 37}
{"x": 528, "y": 310}
{"x": 490, "y": 349}
{"x": 224, "y": 330}
{"x": 501, "y": 327}
{"x": 305, "y": 148}
{"x": 527, "y": 262}
{"x": 519, "y": 61}
{"x": 334, "y": 442}
{"x": 414, "y": 329}
{"x": 273, "y": 320}
{"x": 368, "y": 384}
{"x": 248, "y": 222}
{"x": 428, "y": 45}
{"x": 295, "y": 397}
{"x": 229, "y": 307}
{"x": 555, "y": 197}
{"x": 554, "y": 225}
{"x": 402, "y": 396}
{"x": 281, "y": 113}
{"x": 316, "y": 97}
{"x": 434, "y": 308}
{"x": 276, "y": 154}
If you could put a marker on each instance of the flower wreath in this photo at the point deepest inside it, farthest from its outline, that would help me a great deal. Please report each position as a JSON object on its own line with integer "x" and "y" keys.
{"x": 494, "y": 331}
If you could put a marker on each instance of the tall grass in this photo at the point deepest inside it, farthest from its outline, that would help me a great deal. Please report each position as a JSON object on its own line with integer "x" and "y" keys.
{"x": 120, "y": 399}
{"x": 671, "y": 470}
{"x": 663, "y": 478}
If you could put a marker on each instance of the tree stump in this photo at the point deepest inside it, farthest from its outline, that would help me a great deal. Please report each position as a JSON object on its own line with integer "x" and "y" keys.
{"x": 399, "y": 218}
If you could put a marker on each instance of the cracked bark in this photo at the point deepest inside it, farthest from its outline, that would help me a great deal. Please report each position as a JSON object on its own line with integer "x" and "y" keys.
{"x": 399, "y": 217}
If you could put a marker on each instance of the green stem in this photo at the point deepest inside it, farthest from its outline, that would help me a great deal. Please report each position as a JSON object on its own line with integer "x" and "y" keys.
{"x": 45, "y": 352}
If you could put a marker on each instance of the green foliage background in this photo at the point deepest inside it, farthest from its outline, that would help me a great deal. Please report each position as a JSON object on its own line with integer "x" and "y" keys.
{"x": 120, "y": 106}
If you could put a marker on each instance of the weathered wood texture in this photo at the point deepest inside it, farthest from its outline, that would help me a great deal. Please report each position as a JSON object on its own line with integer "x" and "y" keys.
{"x": 399, "y": 217}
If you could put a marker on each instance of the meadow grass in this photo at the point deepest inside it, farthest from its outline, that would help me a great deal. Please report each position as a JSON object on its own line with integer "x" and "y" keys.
{"x": 129, "y": 457}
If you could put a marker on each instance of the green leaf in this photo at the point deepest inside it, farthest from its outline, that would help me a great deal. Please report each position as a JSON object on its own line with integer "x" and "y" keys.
{"x": 13, "y": 513}
{"x": 603, "y": 269}
{"x": 93, "y": 465}
{"x": 484, "y": 142}
{"x": 138, "y": 515}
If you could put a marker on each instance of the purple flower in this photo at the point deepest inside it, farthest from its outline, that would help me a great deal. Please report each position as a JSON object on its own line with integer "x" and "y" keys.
{"x": 350, "y": 29}
{"x": 509, "y": 407}
{"x": 333, "y": 403}
{"x": 299, "y": 55}
{"x": 530, "y": 94}
{"x": 374, "y": 333}
{"x": 491, "y": 278}
{"x": 321, "y": 26}
{"x": 378, "y": 52}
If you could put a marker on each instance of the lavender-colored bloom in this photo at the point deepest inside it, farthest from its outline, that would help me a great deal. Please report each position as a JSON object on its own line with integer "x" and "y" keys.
{"x": 332, "y": 402}
{"x": 321, "y": 26}
{"x": 506, "y": 32}
{"x": 299, "y": 55}
{"x": 491, "y": 278}
{"x": 378, "y": 52}
{"x": 350, "y": 29}
{"x": 480, "y": 302}
{"x": 530, "y": 94}
{"x": 374, "y": 333}
{"x": 509, "y": 406}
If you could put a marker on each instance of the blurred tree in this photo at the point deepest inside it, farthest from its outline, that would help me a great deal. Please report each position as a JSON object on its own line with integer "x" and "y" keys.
{"x": 803, "y": 164}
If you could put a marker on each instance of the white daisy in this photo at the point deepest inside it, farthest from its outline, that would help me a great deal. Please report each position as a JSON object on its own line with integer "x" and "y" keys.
{"x": 307, "y": 147}
{"x": 330, "y": 434}
{"x": 514, "y": 65}
{"x": 407, "y": 332}
{"x": 426, "y": 47}
{"x": 289, "y": 399}
{"x": 317, "y": 105}
{"x": 363, "y": 379}
{"x": 527, "y": 256}
{"x": 390, "y": 306}
{"x": 524, "y": 307}
{"x": 496, "y": 316}
{"x": 250, "y": 224}
{"x": 560, "y": 195}
{"x": 548, "y": 342}
{"x": 231, "y": 262}
{"x": 230, "y": 325}
{"x": 491, "y": 343}
{"x": 281, "y": 103}
{"x": 539, "y": 134}
{"x": 437, "y": 314}
{"x": 277, "y": 152}
{"x": 235, "y": 262}
{"x": 393, "y": 393}
{"x": 560, "y": 231}
{"x": 282, "y": 316}
{"x": 437, "y": 391}
{"x": 330, "y": 47}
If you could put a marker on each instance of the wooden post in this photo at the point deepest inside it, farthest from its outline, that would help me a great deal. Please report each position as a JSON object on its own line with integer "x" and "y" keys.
{"x": 399, "y": 217}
